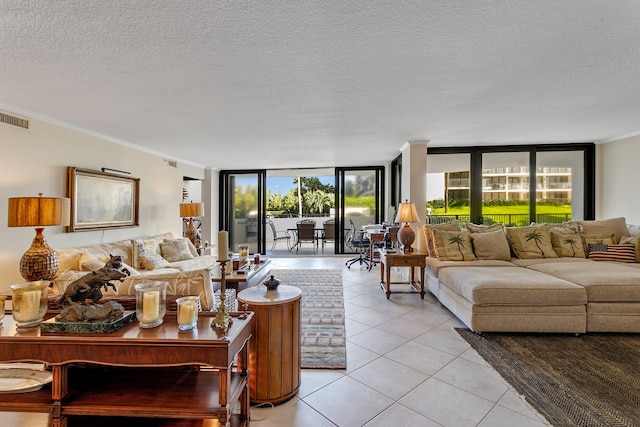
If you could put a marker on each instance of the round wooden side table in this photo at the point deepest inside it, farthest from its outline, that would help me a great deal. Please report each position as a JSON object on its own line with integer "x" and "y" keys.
{"x": 274, "y": 351}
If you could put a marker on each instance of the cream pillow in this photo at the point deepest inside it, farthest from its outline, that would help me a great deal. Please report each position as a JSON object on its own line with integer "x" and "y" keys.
{"x": 453, "y": 245}
{"x": 153, "y": 261}
{"x": 531, "y": 242}
{"x": 568, "y": 245}
{"x": 481, "y": 228}
{"x": 615, "y": 226}
{"x": 632, "y": 240}
{"x": 175, "y": 250}
{"x": 491, "y": 245}
{"x": 89, "y": 262}
{"x": 448, "y": 226}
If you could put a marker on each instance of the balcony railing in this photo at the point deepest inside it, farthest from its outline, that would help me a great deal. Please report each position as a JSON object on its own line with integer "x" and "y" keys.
{"x": 511, "y": 220}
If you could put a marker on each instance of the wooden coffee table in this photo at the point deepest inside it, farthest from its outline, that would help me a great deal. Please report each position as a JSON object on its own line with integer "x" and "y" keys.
{"x": 248, "y": 277}
{"x": 159, "y": 373}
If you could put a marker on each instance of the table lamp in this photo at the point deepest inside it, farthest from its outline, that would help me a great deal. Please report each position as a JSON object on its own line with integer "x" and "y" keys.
{"x": 407, "y": 213}
{"x": 189, "y": 210}
{"x": 40, "y": 261}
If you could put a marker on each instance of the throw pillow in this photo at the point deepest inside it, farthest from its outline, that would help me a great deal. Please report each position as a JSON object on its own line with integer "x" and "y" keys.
{"x": 634, "y": 230}
{"x": 531, "y": 242}
{"x": 481, "y": 228}
{"x": 567, "y": 245}
{"x": 453, "y": 245}
{"x": 620, "y": 253}
{"x": 615, "y": 226}
{"x": 567, "y": 227}
{"x": 90, "y": 262}
{"x": 141, "y": 247}
{"x": 632, "y": 240}
{"x": 153, "y": 261}
{"x": 449, "y": 226}
{"x": 175, "y": 250}
{"x": 606, "y": 239}
{"x": 491, "y": 245}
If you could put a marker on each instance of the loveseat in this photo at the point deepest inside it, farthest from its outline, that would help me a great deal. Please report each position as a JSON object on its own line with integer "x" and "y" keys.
{"x": 575, "y": 277}
{"x": 161, "y": 257}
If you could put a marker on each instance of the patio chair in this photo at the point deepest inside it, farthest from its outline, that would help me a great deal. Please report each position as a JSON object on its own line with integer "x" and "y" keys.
{"x": 357, "y": 242}
{"x": 306, "y": 230}
{"x": 276, "y": 235}
{"x": 329, "y": 231}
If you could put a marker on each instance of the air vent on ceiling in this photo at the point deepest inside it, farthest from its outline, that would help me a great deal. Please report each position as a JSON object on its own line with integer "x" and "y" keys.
{"x": 14, "y": 121}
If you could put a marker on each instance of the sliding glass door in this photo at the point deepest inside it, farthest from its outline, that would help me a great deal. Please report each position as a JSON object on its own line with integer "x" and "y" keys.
{"x": 242, "y": 205}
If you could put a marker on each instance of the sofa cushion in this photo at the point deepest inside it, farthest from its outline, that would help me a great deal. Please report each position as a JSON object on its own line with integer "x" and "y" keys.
{"x": 199, "y": 262}
{"x": 142, "y": 247}
{"x": 481, "y": 228}
{"x": 567, "y": 245}
{"x": 453, "y": 245}
{"x": 450, "y": 226}
{"x": 89, "y": 262}
{"x": 619, "y": 253}
{"x": 153, "y": 261}
{"x": 434, "y": 265}
{"x": 175, "y": 250}
{"x": 632, "y": 240}
{"x": 603, "y": 281}
{"x": 531, "y": 242}
{"x": 615, "y": 226}
{"x": 601, "y": 239}
{"x": 491, "y": 245}
{"x": 508, "y": 285}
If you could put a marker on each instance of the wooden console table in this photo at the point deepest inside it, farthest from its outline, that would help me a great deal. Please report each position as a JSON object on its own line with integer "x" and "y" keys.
{"x": 249, "y": 277}
{"x": 402, "y": 259}
{"x": 158, "y": 373}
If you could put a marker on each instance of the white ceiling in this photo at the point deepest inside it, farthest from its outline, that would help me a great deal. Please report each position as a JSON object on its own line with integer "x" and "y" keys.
{"x": 288, "y": 84}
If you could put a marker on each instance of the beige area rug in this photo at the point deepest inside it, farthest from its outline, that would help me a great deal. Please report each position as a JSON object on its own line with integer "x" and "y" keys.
{"x": 323, "y": 337}
{"x": 590, "y": 380}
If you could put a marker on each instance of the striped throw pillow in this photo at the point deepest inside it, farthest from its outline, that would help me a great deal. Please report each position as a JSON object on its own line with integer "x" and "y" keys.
{"x": 604, "y": 252}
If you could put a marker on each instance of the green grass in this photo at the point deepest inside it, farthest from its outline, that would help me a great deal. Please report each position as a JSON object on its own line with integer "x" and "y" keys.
{"x": 506, "y": 210}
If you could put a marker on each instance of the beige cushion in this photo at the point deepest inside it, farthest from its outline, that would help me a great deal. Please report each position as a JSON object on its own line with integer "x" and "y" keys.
{"x": 449, "y": 226}
{"x": 568, "y": 245}
{"x": 606, "y": 239}
{"x": 153, "y": 261}
{"x": 615, "y": 226}
{"x": 481, "y": 228}
{"x": 567, "y": 227}
{"x": 632, "y": 240}
{"x": 531, "y": 242}
{"x": 142, "y": 247}
{"x": 491, "y": 245}
{"x": 89, "y": 262}
{"x": 175, "y": 250}
{"x": 453, "y": 245}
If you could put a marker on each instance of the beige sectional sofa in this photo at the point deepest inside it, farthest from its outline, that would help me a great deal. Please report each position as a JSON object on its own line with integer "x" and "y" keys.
{"x": 550, "y": 293}
{"x": 161, "y": 257}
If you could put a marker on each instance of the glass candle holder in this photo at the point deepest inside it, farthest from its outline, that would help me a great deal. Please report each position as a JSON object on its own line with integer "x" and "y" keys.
{"x": 151, "y": 303}
{"x": 29, "y": 302}
{"x": 2, "y": 309}
{"x": 187, "y": 312}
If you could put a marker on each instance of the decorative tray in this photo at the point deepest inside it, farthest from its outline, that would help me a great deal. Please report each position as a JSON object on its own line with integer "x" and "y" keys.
{"x": 51, "y": 326}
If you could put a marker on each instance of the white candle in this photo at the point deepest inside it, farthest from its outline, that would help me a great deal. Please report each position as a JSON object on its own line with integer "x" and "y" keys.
{"x": 187, "y": 311}
{"x": 150, "y": 306}
{"x": 223, "y": 245}
{"x": 28, "y": 306}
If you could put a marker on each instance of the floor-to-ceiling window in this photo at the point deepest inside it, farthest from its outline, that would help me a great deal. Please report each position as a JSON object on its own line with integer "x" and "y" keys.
{"x": 514, "y": 185}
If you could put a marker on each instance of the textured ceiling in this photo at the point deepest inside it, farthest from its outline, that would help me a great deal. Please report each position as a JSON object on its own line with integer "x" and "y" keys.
{"x": 281, "y": 83}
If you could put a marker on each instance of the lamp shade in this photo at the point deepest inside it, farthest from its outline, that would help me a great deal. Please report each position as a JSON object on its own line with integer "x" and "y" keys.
{"x": 191, "y": 209}
{"x": 407, "y": 213}
{"x": 38, "y": 211}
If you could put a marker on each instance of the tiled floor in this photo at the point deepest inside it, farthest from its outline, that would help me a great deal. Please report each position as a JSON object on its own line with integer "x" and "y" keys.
{"x": 406, "y": 366}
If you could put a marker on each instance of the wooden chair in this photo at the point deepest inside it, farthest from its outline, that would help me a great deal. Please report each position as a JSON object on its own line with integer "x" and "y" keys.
{"x": 306, "y": 230}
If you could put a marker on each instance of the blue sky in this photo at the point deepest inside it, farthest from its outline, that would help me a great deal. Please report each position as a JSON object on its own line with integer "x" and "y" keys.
{"x": 281, "y": 185}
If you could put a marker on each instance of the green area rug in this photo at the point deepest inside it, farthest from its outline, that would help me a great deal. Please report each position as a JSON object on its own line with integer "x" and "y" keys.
{"x": 323, "y": 337}
{"x": 590, "y": 380}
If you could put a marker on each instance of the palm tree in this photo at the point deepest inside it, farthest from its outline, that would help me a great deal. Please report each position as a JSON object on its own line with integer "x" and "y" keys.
{"x": 458, "y": 240}
{"x": 536, "y": 237}
{"x": 570, "y": 240}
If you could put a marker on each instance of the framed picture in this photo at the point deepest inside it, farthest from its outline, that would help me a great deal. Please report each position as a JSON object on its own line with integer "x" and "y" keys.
{"x": 101, "y": 200}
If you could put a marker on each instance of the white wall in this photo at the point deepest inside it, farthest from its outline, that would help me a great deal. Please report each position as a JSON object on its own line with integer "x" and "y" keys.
{"x": 36, "y": 161}
{"x": 617, "y": 177}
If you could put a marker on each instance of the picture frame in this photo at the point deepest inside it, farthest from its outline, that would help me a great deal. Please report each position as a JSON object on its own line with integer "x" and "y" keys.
{"x": 101, "y": 200}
